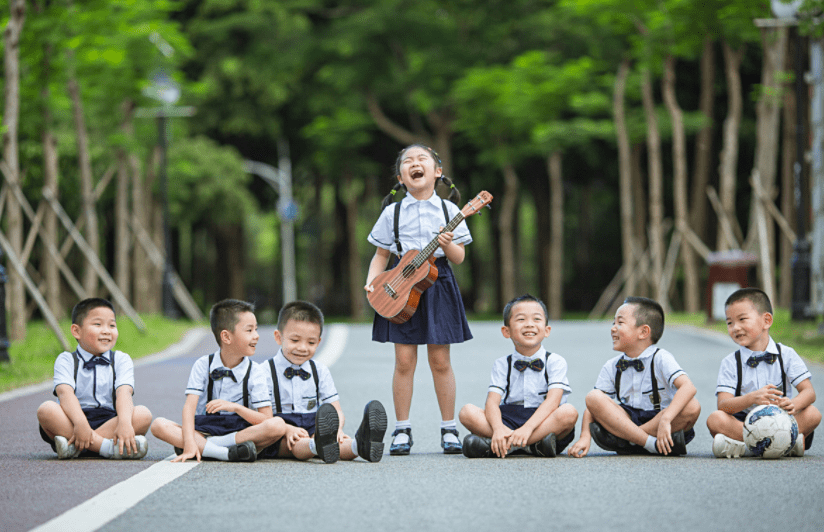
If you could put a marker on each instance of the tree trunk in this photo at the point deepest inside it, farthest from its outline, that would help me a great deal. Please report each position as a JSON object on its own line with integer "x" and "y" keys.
{"x": 768, "y": 116}
{"x": 86, "y": 184}
{"x": 229, "y": 261}
{"x": 11, "y": 119}
{"x": 51, "y": 271}
{"x": 656, "y": 188}
{"x": 555, "y": 262}
{"x": 509, "y": 203}
{"x": 703, "y": 142}
{"x": 141, "y": 265}
{"x": 729, "y": 152}
{"x": 154, "y": 214}
{"x": 692, "y": 298}
{"x": 122, "y": 235}
{"x": 624, "y": 172}
{"x": 788, "y": 150}
{"x": 639, "y": 221}
{"x": 356, "y": 294}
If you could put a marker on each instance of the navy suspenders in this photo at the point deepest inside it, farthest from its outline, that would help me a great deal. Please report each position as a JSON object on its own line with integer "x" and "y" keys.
{"x": 276, "y": 386}
{"x": 398, "y": 219}
{"x": 76, "y": 356}
{"x": 245, "y": 382}
{"x": 656, "y": 397}
{"x": 780, "y": 361}
{"x": 509, "y": 374}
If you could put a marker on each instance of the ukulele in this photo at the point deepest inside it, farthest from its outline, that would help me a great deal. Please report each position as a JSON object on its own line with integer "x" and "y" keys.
{"x": 398, "y": 291}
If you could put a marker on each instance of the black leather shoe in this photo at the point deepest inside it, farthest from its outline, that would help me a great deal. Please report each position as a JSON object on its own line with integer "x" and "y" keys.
{"x": 545, "y": 447}
{"x": 401, "y": 449}
{"x": 679, "y": 444}
{"x": 477, "y": 447}
{"x": 243, "y": 452}
{"x": 326, "y": 433}
{"x": 608, "y": 441}
{"x": 450, "y": 447}
{"x": 370, "y": 433}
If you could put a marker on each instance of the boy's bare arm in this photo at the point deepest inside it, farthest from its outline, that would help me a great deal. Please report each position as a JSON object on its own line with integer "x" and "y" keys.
{"x": 805, "y": 397}
{"x": 124, "y": 432}
{"x": 376, "y": 266}
{"x": 500, "y": 432}
{"x": 766, "y": 395}
{"x": 550, "y": 404}
{"x": 83, "y": 433}
{"x": 581, "y": 447}
{"x": 190, "y": 448}
{"x": 686, "y": 391}
{"x": 252, "y": 416}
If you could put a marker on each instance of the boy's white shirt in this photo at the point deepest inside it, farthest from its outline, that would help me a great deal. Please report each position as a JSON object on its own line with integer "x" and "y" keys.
{"x": 93, "y": 388}
{"x": 763, "y": 374}
{"x": 226, "y": 388}
{"x": 529, "y": 388}
{"x": 636, "y": 386}
{"x": 297, "y": 388}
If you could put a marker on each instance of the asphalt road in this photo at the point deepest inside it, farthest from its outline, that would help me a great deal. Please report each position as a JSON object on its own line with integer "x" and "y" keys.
{"x": 429, "y": 490}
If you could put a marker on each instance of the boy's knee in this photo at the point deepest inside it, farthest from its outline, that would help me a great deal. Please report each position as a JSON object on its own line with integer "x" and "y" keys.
{"x": 47, "y": 410}
{"x": 716, "y": 420}
{"x": 159, "y": 427}
{"x": 142, "y": 417}
{"x": 692, "y": 411}
{"x": 595, "y": 398}
{"x": 466, "y": 413}
{"x": 568, "y": 415}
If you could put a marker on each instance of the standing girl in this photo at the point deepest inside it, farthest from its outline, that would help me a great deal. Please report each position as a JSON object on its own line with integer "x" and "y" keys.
{"x": 440, "y": 319}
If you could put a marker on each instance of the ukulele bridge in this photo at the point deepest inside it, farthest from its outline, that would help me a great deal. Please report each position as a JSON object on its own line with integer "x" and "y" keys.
{"x": 391, "y": 291}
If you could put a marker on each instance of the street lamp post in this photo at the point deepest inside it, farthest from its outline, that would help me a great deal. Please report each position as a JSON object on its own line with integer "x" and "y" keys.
{"x": 4, "y": 332}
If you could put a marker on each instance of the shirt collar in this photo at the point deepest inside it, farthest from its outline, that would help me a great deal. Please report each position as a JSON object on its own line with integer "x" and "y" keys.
{"x": 86, "y": 356}
{"x": 646, "y": 353}
{"x": 217, "y": 363}
{"x": 771, "y": 348}
{"x": 409, "y": 200}
{"x": 540, "y": 353}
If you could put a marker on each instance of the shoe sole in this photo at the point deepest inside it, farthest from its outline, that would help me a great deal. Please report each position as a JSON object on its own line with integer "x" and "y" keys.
{"x": 243, "y": 452}
{"x": 550, "y": 452}
{"x": 371, "y": 432}
{"x": 476, "y": 447}
{"x": 326, "y": 432}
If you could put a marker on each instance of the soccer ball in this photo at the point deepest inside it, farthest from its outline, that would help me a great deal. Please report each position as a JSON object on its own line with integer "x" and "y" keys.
{"x": 770, "y": 432}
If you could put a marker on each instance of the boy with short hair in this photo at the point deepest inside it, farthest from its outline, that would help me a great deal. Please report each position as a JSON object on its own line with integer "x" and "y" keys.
{"x": 656, "y": 406}
{"x": 750, "y": 377}
{"x": 526, "y": 406}
{"x": 305, "y": 397}
{"x": 227, "y": 415}
{"x": 94, "y": 387}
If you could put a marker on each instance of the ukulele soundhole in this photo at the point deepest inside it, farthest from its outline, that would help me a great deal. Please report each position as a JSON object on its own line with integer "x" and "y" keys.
{"x": 390, "y": 291}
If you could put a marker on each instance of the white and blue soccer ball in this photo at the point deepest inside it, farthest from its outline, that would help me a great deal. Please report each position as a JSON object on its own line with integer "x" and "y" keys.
{"x": 770, "y": 432}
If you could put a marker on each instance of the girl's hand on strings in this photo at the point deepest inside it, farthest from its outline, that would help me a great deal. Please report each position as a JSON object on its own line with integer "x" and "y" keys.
{"x": 445, "y": 238}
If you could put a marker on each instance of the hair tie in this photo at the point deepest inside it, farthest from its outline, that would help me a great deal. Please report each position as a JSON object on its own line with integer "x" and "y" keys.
{"x": 451, "y": 186}
{"x": 393, "y": 191}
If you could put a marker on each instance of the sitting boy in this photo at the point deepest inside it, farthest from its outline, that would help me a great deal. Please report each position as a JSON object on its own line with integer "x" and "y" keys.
{"x": 525, "y": 409}
{"x": 656, "y": 406}
{"x": 305, "y": 396}
{"x": 227, "y": 414}
{"x": 750, "y": 377}
{"x": 94, "y": 388}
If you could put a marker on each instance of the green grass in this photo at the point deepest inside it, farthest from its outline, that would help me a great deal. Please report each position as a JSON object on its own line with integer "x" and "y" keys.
{"x": 803, "y": 336}
{"x": 32, "y": 360}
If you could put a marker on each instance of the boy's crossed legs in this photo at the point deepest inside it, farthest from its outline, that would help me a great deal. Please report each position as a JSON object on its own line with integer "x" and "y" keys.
{"x": 615, "y": 420}
{"x": 732, "y": 426}
{"x": 56, "y": 425}
{"x": 561, "y": 423}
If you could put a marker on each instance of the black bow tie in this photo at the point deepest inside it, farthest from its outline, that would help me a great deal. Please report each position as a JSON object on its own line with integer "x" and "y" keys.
{"x": 754, "y": 360}
{"x": 96, "y": 361}
{"x": 535, "y": 365}
{"x": 219, "y": 373}
{"x": 300, "y": 372}
{"x": 625, "y": 363}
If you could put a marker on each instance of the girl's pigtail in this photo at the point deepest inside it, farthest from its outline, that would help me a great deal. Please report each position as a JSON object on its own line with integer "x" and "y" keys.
{"x": 454, "y": 194}
{"x": 391, "y": 196}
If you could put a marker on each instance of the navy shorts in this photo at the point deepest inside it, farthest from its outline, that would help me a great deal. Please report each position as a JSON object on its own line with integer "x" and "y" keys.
{"x": 304, "y": 421}
{"x": 95, "y": 416}
{"x": 639, "y": 417}
{"x": 514, "y": 417}
{"x": 220, "y": 424}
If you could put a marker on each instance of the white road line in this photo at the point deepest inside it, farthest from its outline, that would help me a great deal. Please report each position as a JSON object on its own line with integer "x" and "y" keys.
{"x": 116, "y": 500}
{"x": 333, "y": 344}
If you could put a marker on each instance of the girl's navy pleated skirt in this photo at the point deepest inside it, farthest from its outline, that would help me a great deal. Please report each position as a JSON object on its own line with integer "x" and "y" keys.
{"x": 440, "y": 318}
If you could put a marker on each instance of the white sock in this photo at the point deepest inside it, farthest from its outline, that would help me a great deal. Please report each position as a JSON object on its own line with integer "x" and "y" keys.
{"x": 402, "y": 438}
{"x": 355, "y": 447}
{"x": 227, "y": 440}
{"x": 218, "y": 452}
{"x": 451, "y": 438}
{"x": 106, "y": 448}
{"x": 313, "y": 448}
{"x": 650, "y": 445}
